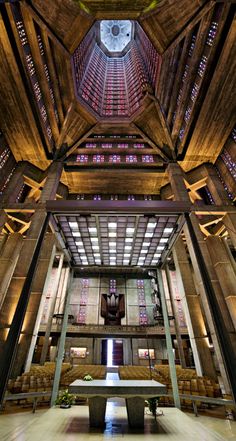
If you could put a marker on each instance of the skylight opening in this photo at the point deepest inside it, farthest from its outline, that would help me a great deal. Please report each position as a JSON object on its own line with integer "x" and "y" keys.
{"x": 115, "y": 34}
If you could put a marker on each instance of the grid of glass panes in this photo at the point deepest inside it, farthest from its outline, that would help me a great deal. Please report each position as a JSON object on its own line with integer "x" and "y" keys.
{"x": 117, "y": 240}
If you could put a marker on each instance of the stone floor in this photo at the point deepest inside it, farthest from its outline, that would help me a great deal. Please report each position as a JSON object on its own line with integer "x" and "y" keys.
{"x": 73, "y": 425}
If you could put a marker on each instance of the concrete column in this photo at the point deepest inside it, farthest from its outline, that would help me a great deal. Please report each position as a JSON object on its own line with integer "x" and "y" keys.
{"x": 25, "y": 257}
{"x": 192, "y": 310}
{"x": 97, "y": 350}
{"x": 180, "y": 193}
{"x": 229, "y": 220}
{"x": 62, "y": 340}
{"x": 34, "y": 304}
{"x": 15, "y": 185}
{"x": 176, "y": 316}
{"x": 225, "y": 273}
{"x": 3, "y": 219}
{"x": 220, "y": 197}
{"x": 169, "y": 346}
{"x": 51, "y": 312}
{"x": 215, "y": 187}
{"x": 127, "y": 351}
{"x": 231, "y": 258}
{"x": 53, "y": 178}
{"x": 20, "y": 272}
{"x": 8, "y": 260}
{"x": 39, "y": 314}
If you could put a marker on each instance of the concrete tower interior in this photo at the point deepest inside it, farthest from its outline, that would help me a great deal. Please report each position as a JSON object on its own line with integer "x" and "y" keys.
{"x": 117, "y": 197}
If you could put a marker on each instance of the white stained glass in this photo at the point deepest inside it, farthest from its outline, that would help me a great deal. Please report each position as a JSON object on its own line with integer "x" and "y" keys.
{"x": 129, "y": 230}
{"x": 73, "y": 224}
{"x": 168, "y": 230}
{"x": 92, "y": 229}
{"x": 112, "y": 224}
{"x": 115, "y": 34}
{"x": 76, "y": 233}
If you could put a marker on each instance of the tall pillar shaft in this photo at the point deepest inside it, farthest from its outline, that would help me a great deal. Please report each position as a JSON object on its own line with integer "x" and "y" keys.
{"x": 51, "y": 312}
{"x": 40, "y": 312}
{"x": 25, "y": 257}
{"x": 193, "y": 314}
{"x": 180, "y": 193}
{"x": 8, "y": 260}
{"x": 3, "y": 219}
{"x": 15, "y": 185}
{"x": 20, "y": 273}
{"x": 215, "y": 187}
{"x": 175, "y": 313}
{"x": 220, "y": 197}
{"x": 225, "y": 273}
{"x": 27, "y": 331}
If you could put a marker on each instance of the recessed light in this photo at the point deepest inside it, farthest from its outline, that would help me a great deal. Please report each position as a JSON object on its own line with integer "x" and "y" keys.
{"x": 97, "y": 255}
{"x": 146, "y": 244}
{"x": 95, "y": 247}
{"x": 143, "y": 251}
{"x": 160, "y": 247}
{"x": 125, "y": 262}
{"x": 127, "y": 247}
{"x": 163, "y": 240}
{"x": 112, "y": 244}
{"x": 126, "y": 254}
{"x": 110, "y": 234}
{"x": 81, "y": 250}
{"x": 79, "y": 243}
{"x": 73, "y": 224}
{"x": 94, "y": 239}
{"x": 128, "y": 239}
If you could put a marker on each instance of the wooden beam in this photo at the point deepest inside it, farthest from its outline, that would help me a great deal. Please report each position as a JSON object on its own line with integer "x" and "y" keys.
{"x": 43, "y": 25}
{"x": 65, "y": 126}
{"x": 193, "y": 64}
{"x": 203, "y": 11}
{"x": 53, "y": 75}
{"x": 38, "y": 62}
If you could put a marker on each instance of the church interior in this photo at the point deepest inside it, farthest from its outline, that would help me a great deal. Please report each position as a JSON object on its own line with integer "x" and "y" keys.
{"x": 117, "y": 211}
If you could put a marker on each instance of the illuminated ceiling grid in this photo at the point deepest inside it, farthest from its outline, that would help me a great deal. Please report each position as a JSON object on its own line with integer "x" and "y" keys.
{"x": 123, "y": 240}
